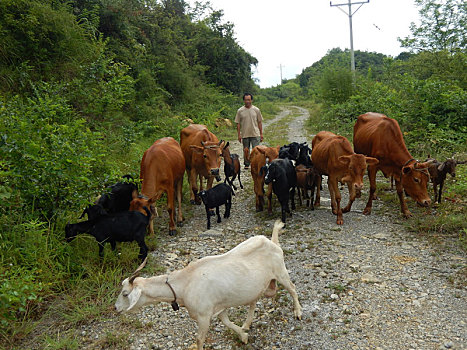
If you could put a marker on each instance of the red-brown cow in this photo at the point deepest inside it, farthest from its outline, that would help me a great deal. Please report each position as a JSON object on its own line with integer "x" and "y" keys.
{"x": 257, "y": 161}
{"x": 332, "y": 155}
{"x": 202, "y": 151}
{"x": 378, "y": 136}
{"x": 162, "y": 170}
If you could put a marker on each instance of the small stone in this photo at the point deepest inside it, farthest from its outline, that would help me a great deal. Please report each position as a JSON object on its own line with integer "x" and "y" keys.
{"x": 323, "y": 274}
{"x": 448, "y": 344}
{"x": 334, "y": 296}
{"x": 369, "y": 278}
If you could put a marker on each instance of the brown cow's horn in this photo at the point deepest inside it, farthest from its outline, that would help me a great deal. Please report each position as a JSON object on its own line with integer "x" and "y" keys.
{"x": 137, "y": 271}
{"x": 220, "y": 142}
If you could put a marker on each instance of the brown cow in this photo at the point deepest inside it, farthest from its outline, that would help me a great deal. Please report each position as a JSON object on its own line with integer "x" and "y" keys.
{"x": 332, "y": 155}
{"x": 162, "y": 170}
{"x": 202, "y": 151}
{"x": 257, "y": 161}
{"x": 378, "y": 136}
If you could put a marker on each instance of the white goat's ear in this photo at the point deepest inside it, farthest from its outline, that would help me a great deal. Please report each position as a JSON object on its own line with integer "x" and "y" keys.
{"x": 133, "y": 297}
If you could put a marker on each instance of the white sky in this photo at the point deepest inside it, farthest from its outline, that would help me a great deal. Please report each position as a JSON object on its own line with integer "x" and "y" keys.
{"x": 297, "y": 33}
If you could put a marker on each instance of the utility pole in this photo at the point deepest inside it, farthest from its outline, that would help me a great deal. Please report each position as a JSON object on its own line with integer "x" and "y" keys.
{"x": 280, "y": 68}
{"x": 350, "y": 14}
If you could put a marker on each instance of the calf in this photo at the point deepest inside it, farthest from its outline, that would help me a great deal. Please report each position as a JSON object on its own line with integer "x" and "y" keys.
{"x": 281, "y": 173}
{"x": 215, "y": 197}
{"x": 289, "y": 151}
{"x": 125, "y": 226}
{"x": 210, "y": 286}
{"x": 304, "y": 153}
{"x": 308, "y": 178}
{"x": 231, "y": 167}
{"x": 260, "y": 155}
{"x": 438, "y": 172}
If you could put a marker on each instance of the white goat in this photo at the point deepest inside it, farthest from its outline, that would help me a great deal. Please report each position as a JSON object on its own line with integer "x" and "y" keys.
{"x": 209, "y": 286}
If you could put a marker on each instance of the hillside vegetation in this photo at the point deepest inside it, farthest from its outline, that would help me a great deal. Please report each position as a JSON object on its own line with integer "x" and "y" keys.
{"x": 87, "y": 86}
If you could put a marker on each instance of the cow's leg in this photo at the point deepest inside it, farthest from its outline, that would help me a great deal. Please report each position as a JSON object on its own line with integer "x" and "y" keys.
{"x": 259, "y": 194}
{"x": 171, "y": 210}
{"x": 193, "y": 179}
{"x": 239, "y": 181}
{"x": 400, "y": 193}
{"x": 300, "y": 190}
{"x": 318, "y": 192}
{"x": 336, "y": 198}
{"x": 178, "y": 195}
{"x": 372, "y": 176}
{"x": 224, "y": 317}
{"x": 312, "y": 190}
{"x": 332, "y": 195}
{"x": 283, "y": 212}
{"x": 352, "y": 196}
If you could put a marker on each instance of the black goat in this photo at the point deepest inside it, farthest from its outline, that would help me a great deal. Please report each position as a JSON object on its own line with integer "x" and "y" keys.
{"x": 281, "y": 173}
{"x": 231, "y": 167}
{"x": 126, "y": 226}
{"x": 215, "y": 197}
{"x": 117, "y": 198}
{"x": 438, "y": 172}
{"x": 304, "y": 153}
{"x": 289, "y": 151}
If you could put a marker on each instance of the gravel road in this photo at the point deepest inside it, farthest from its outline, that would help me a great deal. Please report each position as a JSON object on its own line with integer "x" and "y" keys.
{"x": 368, "y": 284}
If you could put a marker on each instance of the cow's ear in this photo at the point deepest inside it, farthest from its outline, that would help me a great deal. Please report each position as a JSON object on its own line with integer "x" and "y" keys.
{"x": 423, "y": 165}
{"x": 371, "y": 161}
{"x": 197, "y": 149}
{"x": 406, "y": 169}
{"x": 344, "y": 159}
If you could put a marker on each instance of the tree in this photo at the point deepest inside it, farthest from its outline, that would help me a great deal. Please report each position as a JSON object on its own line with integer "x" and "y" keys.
{"x": 442, "y": 27}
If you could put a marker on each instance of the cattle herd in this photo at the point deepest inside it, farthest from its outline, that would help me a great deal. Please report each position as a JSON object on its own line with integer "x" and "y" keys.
{"x": 123, "y": 214}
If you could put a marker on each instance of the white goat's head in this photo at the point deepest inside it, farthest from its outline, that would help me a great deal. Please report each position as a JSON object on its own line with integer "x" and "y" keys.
{"x": 129, "y": 298}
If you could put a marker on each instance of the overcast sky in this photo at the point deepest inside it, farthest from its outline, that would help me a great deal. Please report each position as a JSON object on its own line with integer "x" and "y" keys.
{"x": 297, "y": 33}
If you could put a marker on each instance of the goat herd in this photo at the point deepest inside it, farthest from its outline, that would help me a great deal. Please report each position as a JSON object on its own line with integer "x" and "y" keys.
{"x": 211, "y": 285}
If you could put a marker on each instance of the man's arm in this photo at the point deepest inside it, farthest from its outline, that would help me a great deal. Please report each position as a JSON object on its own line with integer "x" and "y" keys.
{"x": 238, "y": 133}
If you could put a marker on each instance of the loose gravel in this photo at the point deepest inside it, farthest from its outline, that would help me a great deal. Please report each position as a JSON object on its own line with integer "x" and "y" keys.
{"x": 367, "y": 284}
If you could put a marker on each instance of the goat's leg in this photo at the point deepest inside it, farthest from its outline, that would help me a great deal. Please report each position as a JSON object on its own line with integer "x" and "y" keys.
{"x": 228, "y": 205}
{"x": 300, "y": 191}
{"x": 101, "y": 249}
{"x": 435, "y": 190}
{"x": 239, "y": 181}
{"x": 284, "y": 279}
{"x": 440, "y": 191}
{"x": 203, "y": 327}
{"x": 251, "y": 313}
{"x": 292, "y": 197}
{"x": 232, "y": 184}
{"x": 171, "y": 211}
{"x": 208, "y": 215}
{"x": 312, "y": 194}
{"x": 143, "y": 250}
{"x": 218, "y": 215}
{"x": 224, "y": 317}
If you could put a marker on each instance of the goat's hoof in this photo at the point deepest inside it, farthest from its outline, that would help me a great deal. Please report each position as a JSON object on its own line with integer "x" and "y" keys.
{"x": 172, "y": 232}
{"x": 212, "y": 213}
{"x": 192, "y": 201}
{"x": 180, "y": 224}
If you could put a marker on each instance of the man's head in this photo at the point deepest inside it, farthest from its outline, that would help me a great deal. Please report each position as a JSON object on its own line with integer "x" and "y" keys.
{"x": 247, "y": 99}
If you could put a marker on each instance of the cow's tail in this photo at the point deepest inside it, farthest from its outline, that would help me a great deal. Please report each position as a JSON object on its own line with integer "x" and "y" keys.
{"x": 278, "y": 225}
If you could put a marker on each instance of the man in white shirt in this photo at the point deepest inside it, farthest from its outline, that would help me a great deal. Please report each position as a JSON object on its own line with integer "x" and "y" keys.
{"x": 249, "y": 127}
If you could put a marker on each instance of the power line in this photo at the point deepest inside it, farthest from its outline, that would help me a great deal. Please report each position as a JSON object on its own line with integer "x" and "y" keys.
{"x": 350, "y": 14}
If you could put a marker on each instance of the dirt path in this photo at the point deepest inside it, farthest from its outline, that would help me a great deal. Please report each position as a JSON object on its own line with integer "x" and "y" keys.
{"x": 368, "y": 284}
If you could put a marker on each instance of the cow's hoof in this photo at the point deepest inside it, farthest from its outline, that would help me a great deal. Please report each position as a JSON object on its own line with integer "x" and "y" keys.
{"x": 180, "y": 224}
{"x": 367, "y": 211}
{"x": 172, "y": 232}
